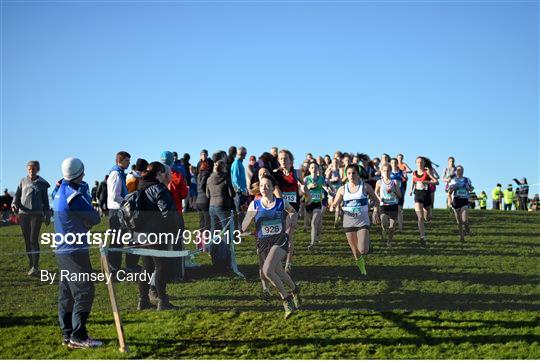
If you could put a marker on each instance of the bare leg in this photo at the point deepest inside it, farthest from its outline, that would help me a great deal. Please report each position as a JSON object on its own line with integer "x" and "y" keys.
{"x": 336, "y": 216}
{"x": 400, "y": 218}
{"x": 307, "y": 219}
{"x": 457, "y": 213}
{"x": 427, "y": 214}
{"x": 272, "y": 262}
{"x": 465, "y": 220}
{"x": 363, "y": 249}
{"x": 316, "y": 223}
{"x": 419, "y": 209}
{"x": 285, "y": 277}
{"x": 291, "y": 222}
{"x": 391, "y": 229}
{"x": 264, "y": 280}
{"x": 384, "y": 226}
{"x": 352, "y": 238}
{"x": 362, "y": 241}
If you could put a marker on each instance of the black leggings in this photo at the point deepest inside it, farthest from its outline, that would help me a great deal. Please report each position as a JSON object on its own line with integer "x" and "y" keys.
{"x": 31, "y": 225}
{"x": 159, "y": 265}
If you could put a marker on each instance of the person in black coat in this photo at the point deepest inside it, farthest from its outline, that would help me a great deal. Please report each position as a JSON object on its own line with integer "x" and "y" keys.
{"x": 158, "y": 215}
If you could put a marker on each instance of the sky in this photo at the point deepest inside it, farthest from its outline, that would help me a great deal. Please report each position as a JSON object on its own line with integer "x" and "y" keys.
{"x": 435, "y": 78}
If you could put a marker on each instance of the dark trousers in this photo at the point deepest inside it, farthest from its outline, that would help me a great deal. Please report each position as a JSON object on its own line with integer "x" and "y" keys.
{"x": 75, "y": 298}
{"x": 159, "y": 266}
{"x": 204, "y": 216}
{"x": 115, "y": 258}
{"x": 31, "y": 225}
{"x": 176, "y": 265}
{"x": 220, "y": 252}
{"x": 496, "y": 205}
{"x": 508, "y": 206}
{"x": 523, "y": 203}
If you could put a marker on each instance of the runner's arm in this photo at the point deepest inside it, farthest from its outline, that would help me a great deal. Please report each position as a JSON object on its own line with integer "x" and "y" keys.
{"x": 377, "y": 189}
{"x": 434, "y": 179}
{"x": 397, "y": 190}
{"x": 250, "y": 214}
{"x": 338, "y": 198}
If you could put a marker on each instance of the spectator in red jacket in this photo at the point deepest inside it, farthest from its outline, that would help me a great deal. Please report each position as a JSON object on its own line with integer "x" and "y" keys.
{"x": 178, "y": 185}
{"x": 179, "y": 190}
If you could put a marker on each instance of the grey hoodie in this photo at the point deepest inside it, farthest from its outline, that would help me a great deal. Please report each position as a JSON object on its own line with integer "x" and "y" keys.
{"x": 31, "y": 196}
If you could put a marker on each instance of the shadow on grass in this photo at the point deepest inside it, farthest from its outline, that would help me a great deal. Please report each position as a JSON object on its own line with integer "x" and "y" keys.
{"x": 393, "y": 297}
{"x": 175, "y": 348}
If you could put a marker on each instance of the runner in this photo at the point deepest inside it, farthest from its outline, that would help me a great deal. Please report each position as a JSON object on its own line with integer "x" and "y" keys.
{"x": 432, "y": 187}
{"x": 422, "y": 179}
{"x": 343, "y": 166}
{"x": 404, "y": 167}
{"x": 314, "y": 183}
{"x": 389, "y": 193}
{"x": 355, "y": 195}
{"x": 334, "y": 180}
{"x": 458, "y": 196}
{"x": 255, "y": 193}
{"x": 272, "y": 215}
{"x": 385, "y": 159}
{"x": 399, "y": 176}
{"x": 290, "y": 188}
{"x": 448, "y": 175}
{"x": 304, "y": 172}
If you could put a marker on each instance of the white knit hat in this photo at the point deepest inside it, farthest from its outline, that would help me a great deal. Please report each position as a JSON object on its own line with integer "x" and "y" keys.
{"x": 72, "y": 168}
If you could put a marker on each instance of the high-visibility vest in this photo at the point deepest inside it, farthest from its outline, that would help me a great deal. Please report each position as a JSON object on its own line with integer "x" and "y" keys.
{"x": 495, "y": 193}
{"x": 483, "y": 200}
{"x": 508, "y": 196}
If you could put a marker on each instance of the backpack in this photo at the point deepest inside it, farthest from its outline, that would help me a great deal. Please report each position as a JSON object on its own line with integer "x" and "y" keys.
{"x": 129, "y": 213}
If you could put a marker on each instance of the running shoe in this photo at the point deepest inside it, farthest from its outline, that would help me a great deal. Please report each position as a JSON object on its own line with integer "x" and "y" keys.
{"x": 88, "y": 343}
{"x": 361, "y": 263}
{"x": 467, "y": 230}
{"x": 288, "y": 306}
{"x": 164, "y": 305}
{"x": 33, "y": 272}
{"x": 144, "y": 304}
{"x": 288, "y": 268}
{"x": 310, "y": 247}
{"x": 296, "y": 297}
{"x": 423, "y": 241}
{"x": 65, "y": 340}
{"x": 153, "y": 295}
{"x": 266, "y": 296}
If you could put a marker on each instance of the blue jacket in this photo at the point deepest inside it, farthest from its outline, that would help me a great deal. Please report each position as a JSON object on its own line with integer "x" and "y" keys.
{"x": 179, "y": 167}
{"x": 238, "y": 176}
{"x": 73, "y": 213}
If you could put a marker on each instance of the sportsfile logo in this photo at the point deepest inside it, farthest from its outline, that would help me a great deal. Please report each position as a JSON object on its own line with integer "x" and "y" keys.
{"x": 120, "y": 237}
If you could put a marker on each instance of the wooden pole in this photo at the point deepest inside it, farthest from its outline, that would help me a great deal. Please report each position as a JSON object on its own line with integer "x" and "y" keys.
{"x": 114, "y": 306}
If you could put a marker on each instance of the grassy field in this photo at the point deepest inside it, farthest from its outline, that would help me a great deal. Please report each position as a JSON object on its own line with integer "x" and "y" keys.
{"x": 475, "y": 300}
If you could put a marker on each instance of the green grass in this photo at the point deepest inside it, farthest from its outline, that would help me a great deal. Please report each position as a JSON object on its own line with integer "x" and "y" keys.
{"x": 474, "y": 300}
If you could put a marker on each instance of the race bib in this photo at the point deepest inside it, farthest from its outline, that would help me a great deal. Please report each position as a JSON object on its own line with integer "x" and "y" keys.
{"x": 421, "y": 186}
{"x": 389, "y": 199}
{"x": 462, "y": 193}
{"x": 290, "y": 197}
{"x": 271, "y": 227}
{"x": 316, "y": 196}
